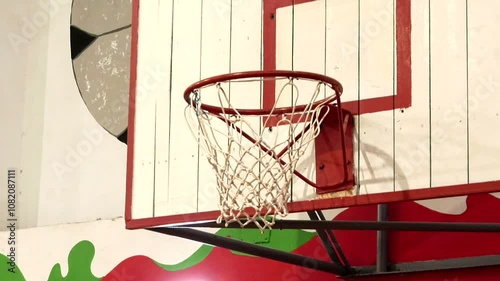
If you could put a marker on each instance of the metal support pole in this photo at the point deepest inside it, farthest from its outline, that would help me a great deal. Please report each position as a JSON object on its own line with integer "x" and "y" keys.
{"x": 336, "y": 243}
{"x": 235, "y": 245}
{"x": 325, "y": 240}
{"x": 382, "y": 214}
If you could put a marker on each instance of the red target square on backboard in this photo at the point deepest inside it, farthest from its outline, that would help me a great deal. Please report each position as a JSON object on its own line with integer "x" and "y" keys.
{"x": 347, "y": 47}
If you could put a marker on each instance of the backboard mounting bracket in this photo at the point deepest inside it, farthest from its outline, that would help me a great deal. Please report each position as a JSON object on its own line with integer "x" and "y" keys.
{"x": 332, "y": 172}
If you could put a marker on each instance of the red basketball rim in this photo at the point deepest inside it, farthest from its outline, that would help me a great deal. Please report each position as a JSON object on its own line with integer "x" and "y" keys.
{"x": 332, "y": 83}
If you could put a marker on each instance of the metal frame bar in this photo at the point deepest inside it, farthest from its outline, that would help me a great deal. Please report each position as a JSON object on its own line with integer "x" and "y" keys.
{"x": 340, "y": 265}
{"x": 432, "y": 265}
{"x": 367, "y": 225}
{"x": 252, "y": 249}
{"x": 330, "y": 243}
{"x": 330, "y": 249}
{"x": 382, "y": 246}
{"x": 330, "y": 267}
{"x": 335, "y": 243}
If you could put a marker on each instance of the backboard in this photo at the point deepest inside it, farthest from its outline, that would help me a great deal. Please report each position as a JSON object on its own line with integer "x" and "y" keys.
{"x": 419, "y": 77}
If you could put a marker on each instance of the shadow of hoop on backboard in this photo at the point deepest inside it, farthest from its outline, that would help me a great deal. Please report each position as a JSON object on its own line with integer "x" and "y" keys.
{"x": 377, "y": 171}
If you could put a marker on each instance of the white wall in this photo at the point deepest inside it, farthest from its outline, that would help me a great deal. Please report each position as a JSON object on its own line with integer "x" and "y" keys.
{"x": 72, "y": 170}
{"x": 22, "y": 106}
{"x": 83, "y": 168}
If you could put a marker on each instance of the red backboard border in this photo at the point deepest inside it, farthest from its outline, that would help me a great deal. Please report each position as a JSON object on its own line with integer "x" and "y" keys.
{"x": 401, "y": 100}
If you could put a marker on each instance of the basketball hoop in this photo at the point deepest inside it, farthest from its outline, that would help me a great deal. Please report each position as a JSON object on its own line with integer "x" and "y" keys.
{"x": 253, "y": 167}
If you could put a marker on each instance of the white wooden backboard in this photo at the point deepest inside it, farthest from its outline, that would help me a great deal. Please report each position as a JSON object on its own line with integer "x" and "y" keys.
{"x": 420, "y": 76}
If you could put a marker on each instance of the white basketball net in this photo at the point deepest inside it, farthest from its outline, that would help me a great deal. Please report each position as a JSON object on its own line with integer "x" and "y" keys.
{"x": 253, "y": 178}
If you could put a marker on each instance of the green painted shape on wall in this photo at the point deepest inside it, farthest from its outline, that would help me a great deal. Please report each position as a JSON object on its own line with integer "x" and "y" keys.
{"x": 285, "y": 240}
{"x": 79, "y": 264}
{"x": 196, "y": 258}
{"x": 8, "y": 271}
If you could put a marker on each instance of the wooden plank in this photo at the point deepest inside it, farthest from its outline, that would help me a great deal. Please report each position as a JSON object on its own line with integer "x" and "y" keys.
{"x": 375, "y": 132}
{"x": 484, "y": 87}
{"x": 183, "y": 180}
{"x": 145, "y": 101}
{"x": 163, "y": 55}
{"x": 448, "y": 80}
